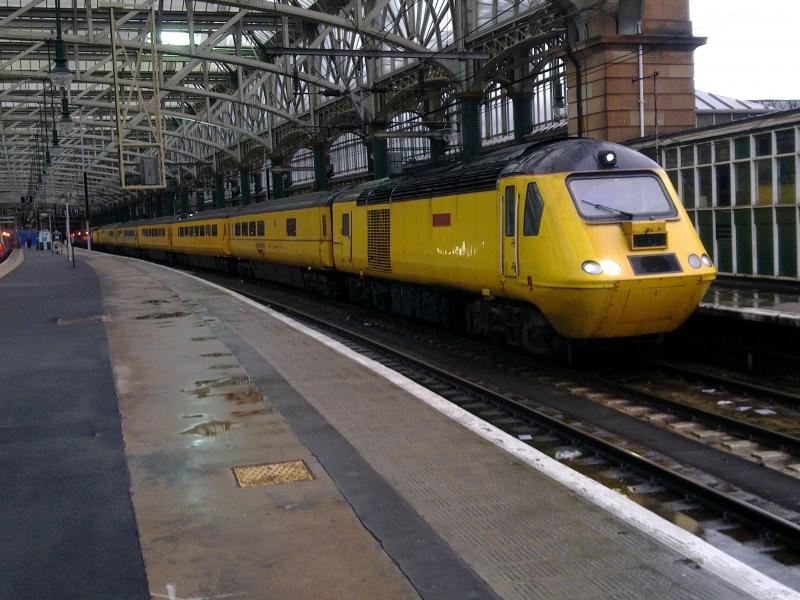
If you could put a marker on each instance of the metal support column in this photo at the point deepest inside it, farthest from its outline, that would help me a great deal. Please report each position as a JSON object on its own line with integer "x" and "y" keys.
{"x": 320, "y": 166}
{"x": 244, "y": 186}
{"x": 219, "y": 191}
{"x": 523, "y": 118}
{"x": 470, "y": 126}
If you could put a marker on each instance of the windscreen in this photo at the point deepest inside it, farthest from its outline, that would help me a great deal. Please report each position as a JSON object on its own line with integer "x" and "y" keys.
{"x": 620, "y": 197}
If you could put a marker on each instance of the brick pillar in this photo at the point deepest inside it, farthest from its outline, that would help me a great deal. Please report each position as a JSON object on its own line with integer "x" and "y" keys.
{"x": 609, "y": 62}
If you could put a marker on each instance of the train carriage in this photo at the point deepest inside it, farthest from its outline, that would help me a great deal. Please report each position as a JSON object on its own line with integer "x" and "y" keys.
{"x": 202, "y": 239}
{"x": 155, "y": 237}
{"x": 287, "y": 239}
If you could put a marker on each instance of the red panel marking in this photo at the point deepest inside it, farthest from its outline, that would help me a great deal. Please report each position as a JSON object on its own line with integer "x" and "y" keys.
{"x": 441, "y": 220}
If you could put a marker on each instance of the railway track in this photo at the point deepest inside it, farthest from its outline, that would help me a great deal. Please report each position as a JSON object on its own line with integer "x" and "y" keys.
{"x": 650, "y": 475}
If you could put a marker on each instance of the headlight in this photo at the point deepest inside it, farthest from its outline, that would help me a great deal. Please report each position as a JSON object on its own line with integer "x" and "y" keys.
{"x": 610, "y": 267}
{"x": 694, "y": 261}
{"x": 705, "y": 260}
{"x": 591, "y": 267}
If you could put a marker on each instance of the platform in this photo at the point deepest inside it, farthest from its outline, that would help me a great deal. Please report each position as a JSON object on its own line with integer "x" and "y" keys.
{"x": 131, "y": 392}
{"x": 761, "y": 302}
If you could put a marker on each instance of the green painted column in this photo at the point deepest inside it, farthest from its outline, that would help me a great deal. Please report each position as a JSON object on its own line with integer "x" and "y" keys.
{"x": 159, "y": 205}
{"x": 244, "y": 186}
{"x": 258, "y": 184}
{"x": 320, "y": 166}
{"x": 184, "y": 201}
{"x": 438, "y": 148}
{"x": 278, "y": 180}
{"x": 470, "y": 126}
{"x": 169, "y": 208}
{"x": 380, "y": 158}
{"x": 523, "y": 118}
{"x": 219, "y": 191}
{"x": 200, "y": 200}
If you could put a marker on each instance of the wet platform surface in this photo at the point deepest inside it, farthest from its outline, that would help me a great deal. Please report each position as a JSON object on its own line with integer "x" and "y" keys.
{"x": 402, "y": 502}
{"x": 778, "y": 304}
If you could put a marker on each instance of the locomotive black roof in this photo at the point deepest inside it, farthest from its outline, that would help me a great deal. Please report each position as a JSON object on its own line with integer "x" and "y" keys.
{"x": 481, "y": 174}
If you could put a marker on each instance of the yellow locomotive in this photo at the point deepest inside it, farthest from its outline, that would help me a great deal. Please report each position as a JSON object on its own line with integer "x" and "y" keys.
{"x": 580, "y": 236}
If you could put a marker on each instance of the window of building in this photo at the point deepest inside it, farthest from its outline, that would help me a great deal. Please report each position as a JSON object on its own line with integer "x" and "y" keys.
{"x": 722, "y": 151}
{"x": 741, "y": 147}
{"x": 764, "y": 144}
{"x": 742, "y": 173}
{"x": 704, "y": 154}
{"x": 787, "y": 180}
{"x": 764, "y": 181}
{"x": 784, "y": 141}
{"x": 704, "y": 180}
{"x": 302, "y": 164}
{"x": 687, "y": 187}
{"x": 687, "y": 156}
{"x": 348, "y": 154}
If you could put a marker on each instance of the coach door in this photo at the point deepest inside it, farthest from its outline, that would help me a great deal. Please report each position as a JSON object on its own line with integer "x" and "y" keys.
{"x": 346, "y": 247}
{"x": 509, "y": 233}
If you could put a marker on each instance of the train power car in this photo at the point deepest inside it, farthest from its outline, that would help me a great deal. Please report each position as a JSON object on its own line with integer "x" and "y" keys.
{"x": 582, "y": 237}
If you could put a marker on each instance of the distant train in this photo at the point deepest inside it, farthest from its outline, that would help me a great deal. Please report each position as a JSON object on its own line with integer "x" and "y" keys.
{"x": 583, "y": 237}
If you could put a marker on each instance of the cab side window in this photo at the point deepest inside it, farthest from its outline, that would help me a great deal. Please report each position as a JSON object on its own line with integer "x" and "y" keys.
{"x": 291, "y": 227}
{"x": 534, "y": 209}
{"x": 509, "y": 206}
{"x": 346, "y": 225}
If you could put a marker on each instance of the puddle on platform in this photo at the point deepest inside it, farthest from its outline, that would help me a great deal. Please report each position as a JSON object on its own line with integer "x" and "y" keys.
{"x": 213, "y": 354}
{"x": 211, "y": 428}
{"x": 169, "y": 315}
{"x": 207, "y": 338}
{"x": 155, "y": 302}
{"x": 193, "y": 416}
{"x": 250, "y": 413}
{"x": 245, "y": 397}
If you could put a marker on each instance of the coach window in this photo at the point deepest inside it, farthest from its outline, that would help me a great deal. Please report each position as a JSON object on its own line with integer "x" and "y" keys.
{"x": 346, "y": 225}
{"x": 208, "y": 230}
{"x": 237, "y": 229}
{"x": 252, "y": 228}
{"x": 244, "y": 228}
{"x": 510, "y": 220}
{"x": 534, "y": 209}
{"x": 324, "y": 226}
{"x": 291, "y": 227}
{"x": 214, "y": 230}
{"x": 260, "y": 227}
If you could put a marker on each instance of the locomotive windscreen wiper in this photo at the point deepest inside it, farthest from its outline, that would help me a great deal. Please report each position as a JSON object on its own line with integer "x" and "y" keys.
{"x": 625, "y": 214}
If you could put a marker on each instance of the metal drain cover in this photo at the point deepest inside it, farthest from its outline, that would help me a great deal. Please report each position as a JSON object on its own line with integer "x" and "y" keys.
{"x": 272, "y": 474}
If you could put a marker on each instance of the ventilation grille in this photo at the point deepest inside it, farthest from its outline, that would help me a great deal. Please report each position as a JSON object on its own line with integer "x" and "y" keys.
{"x": 653, "y": 264}
{"x": 378, "y": 240}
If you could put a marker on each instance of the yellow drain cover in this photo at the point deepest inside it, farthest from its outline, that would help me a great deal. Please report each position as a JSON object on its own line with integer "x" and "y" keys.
{"x": 283, "y": 472}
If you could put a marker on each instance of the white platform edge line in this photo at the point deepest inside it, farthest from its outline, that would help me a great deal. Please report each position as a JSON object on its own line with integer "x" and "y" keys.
{"x": 15, "y": 259}
{"x": 726, "y": 567}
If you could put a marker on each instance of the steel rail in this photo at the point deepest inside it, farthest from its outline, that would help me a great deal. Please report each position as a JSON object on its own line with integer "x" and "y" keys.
{"x": 733, "y": 383}
{"x": 737, "y": 427}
